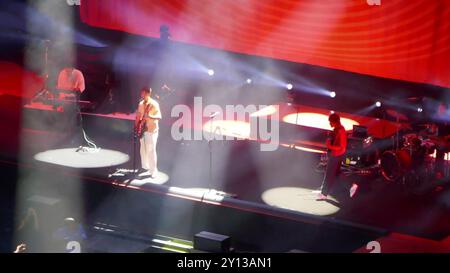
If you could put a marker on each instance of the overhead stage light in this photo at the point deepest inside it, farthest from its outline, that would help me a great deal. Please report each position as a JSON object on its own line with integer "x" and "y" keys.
{"x": 378, "y": 104}
{"x": 249, "y": 81}
{"x": 289, "y": 86}
{"x": 333, "y": 94}
{"x": 420, "y": 110}
{"x": 210, "y": 72}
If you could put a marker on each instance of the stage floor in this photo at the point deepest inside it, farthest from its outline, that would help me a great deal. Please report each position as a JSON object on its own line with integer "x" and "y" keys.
{"x": 284, "y": 179}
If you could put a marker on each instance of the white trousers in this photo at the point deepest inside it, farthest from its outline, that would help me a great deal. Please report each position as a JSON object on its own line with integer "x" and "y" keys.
{"x": 148, "y": 152}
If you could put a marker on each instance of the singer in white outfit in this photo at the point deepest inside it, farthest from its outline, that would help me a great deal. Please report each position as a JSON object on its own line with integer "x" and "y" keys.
{"x": 149, "y": 112}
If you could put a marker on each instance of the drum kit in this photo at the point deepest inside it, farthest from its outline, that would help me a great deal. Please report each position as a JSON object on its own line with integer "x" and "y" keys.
{"x": 408, "y": 157}
{"x": 413, "y": 159}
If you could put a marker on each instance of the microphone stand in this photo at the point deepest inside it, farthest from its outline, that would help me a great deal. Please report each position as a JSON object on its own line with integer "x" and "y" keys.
{"x": 79, "y": 122}
{"x": 134, "y": 154}
{"x": 45, "y": 88}
{"x": 210, "y": 153}
{"x": 135, "y": 138}
{"x": 383, "y": 119}
{"x": 296, "y": 125}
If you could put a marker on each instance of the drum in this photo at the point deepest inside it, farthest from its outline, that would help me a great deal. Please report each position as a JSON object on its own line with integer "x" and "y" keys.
{"x": 429, "y": 145}
{"x": 394, "y": 164}
{"x": 411, "y": 140}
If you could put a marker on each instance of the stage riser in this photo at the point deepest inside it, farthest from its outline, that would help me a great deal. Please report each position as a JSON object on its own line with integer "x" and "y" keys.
{"x": 65, "y": 122}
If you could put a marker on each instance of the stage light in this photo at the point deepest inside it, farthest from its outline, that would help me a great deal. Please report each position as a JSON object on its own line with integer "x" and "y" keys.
{"x": 289, "y": 198}
{"x": 378, "y": 104}
{"x": 249, "y": 81}
{"x": 420, "y": 110}
{"x": 74, "y": 158}
{"x": 289, "y": 86}
{"x": 317, "y": 120}
{"x": 333, "y": 94}
{"x": 210, "y": 72}
{"x": 73, "y": 2}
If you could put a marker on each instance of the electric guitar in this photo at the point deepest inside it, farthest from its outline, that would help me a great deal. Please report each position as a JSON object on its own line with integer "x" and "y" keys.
{"x": 141, "y": 126}
{"x": 330, "y": 138}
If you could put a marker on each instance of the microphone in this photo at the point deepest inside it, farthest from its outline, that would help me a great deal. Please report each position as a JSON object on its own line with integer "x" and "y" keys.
{"x": 165, "y": 87}
{"x": 213, "y": 114}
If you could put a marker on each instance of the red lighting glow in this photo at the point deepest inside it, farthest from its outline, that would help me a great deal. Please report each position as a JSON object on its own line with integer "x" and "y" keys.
{"x": 316, "y": 120}
{"x": 266, "y": 111}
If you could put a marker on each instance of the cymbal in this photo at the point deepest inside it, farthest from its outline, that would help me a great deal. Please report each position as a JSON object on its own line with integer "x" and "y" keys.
{"x": 396, "y": 114}
{"x": 405, "y": 126}
{"x": 438, "y": 138}
{"x": 423, "y": 125}
{"x": 419, "y": 98}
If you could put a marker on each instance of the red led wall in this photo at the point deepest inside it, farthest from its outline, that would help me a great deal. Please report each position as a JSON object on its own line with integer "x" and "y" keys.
{"x": 399, "y": 39}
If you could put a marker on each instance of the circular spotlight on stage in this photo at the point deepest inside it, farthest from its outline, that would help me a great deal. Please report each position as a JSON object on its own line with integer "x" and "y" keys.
{"x": 73, "y": 157}
{"x": 248, "y": 81}
{"x": 289, "y": 86}
{"x": 210, "y": 72}
{"x": 299, "y": 199}
{"x": 420, "y": 110}
{"x": 378, "y": 104}
{"x": 333, "y": 94}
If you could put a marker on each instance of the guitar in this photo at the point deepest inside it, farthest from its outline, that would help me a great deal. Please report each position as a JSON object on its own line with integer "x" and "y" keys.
{"x": 141, "y": 126}
{"x": 330, "y": 138}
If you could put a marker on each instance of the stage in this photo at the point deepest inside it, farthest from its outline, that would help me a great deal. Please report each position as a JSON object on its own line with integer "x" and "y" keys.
{"x": 243, "y": 179}
{"x": 260, "y": 101}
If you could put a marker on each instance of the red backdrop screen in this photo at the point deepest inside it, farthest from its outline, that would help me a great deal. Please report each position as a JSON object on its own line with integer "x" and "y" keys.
{"x": 400, "y": 39}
